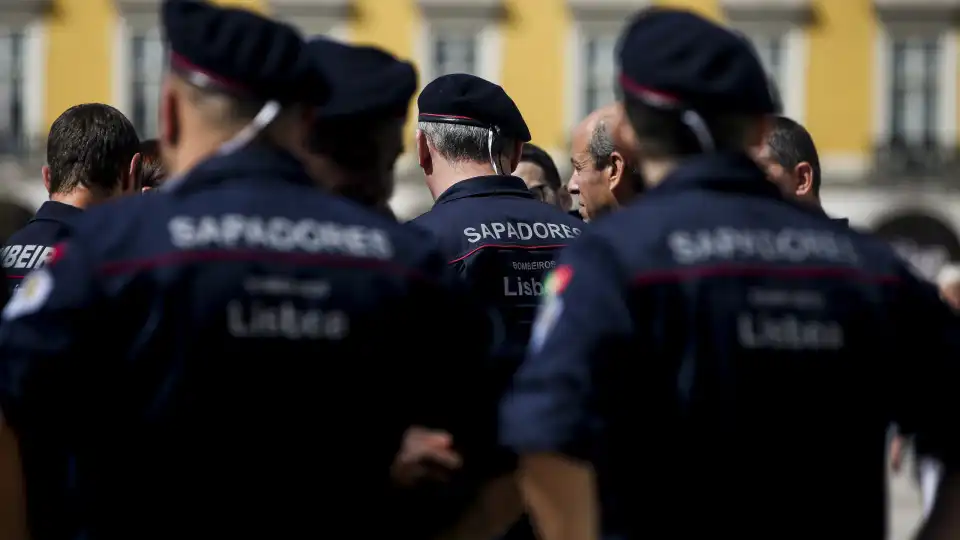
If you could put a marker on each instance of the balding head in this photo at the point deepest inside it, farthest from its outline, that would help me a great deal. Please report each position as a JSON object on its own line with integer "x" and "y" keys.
{"x": 603, "y": 158}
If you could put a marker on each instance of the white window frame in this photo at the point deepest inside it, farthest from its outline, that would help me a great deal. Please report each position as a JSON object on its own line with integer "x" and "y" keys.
{"x": 479, "y": 17}
{"x": 27, "y": 17}
{"x": 328, "y": 18}
{"x": 924, "y": 19}
{"x": 591, "y": 17}
{"x": 135, "y": 16}
{"x": 772, "y": 18}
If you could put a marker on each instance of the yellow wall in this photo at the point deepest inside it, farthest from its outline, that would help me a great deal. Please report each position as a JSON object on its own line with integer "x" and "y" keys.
{"x": 710, "y": 8}
{"x": 839, "y": 100}
{"x": 80, "y": 38}
{"x": 537, "y": 81}
{"x": 79, "y": 52}
{"x": 840, "y": 73}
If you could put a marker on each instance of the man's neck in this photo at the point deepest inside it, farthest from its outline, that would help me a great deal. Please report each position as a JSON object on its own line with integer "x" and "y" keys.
{"x": 80, "y": 198}
{"x": 813, "y": 201}
{"x": 654, "y": 171}
{"x": 197, "y": 149}
{"x": 446, "y": 175}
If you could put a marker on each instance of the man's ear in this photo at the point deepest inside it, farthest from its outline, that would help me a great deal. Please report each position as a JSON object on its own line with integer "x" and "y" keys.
{"x": 45, "y": 173}
{"x": 804, "y": 175}
{"x": 618, "y": 168}
{"x": 515, "y": 156}
{"x": 423, "y": 153}
{"x": 132, "y": 182}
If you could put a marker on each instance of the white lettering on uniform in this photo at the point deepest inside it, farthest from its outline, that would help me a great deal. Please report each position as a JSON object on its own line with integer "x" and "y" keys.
{"x": 520, "y": 231}
{"x": 285, "y": 321}
{"x": 522, "y": 287}
{"x": 26, "y": 257}
{"x": 234, "y": 231}
{"x": 788, "y": 332}
{"x": 534, "y": 266}
{"x": 784, "y": 245}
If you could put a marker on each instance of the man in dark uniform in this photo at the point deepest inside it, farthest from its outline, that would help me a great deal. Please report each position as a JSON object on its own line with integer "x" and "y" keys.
{"x": 251, "y": 385}
{"x": 791, "y": 161}
{"x": 495, "y": 234}
{"x": 694, "y": 343}
{"x": 358, "y": 135}
{"x": 92, "y": 157}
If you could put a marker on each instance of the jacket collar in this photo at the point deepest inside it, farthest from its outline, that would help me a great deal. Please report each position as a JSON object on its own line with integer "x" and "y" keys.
{"x": 486, "y": 186}
{"x": 254, "y": 161}
{"x": 733, "y": 172}
{"x": 56, "y": 211}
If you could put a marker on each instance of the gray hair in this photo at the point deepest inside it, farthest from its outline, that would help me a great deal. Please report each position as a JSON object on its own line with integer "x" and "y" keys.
{"x": 457, "y": 142}
{"x": 601, "y": 148}
{"x": 601, "y": 145}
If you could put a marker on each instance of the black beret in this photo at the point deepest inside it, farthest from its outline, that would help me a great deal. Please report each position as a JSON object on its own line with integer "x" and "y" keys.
{"x": 238, "y": 52}
{"x": 363, "y": 80}
{"x": 675, "y": 58}
{"x": 469, "y": 100}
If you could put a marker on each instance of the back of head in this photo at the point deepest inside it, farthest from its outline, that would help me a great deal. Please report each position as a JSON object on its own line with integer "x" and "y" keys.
{"x": 150, "y": 171}
{"x": 690, "y": 86}
{"x": 234, "y": 76}
{"x": 790, "y": 144}
{"x": 466, "y": 119}
{"x": 358, "y": 128}
{"x": 90, "y": 146}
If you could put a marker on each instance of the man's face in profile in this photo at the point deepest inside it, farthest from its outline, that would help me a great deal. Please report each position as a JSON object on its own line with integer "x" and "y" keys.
{"x": 534, "y": 177}
{"x": 784, "y": 178}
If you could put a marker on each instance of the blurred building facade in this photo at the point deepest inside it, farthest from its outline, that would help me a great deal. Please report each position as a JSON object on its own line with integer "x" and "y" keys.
{"x": 876, "y": 81}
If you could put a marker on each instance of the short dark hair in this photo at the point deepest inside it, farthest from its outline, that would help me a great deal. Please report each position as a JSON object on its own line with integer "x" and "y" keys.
{"x": 90, "y": 145}
{"x": 538, "y": 156}
{"x": 661, "y": 133}
{"x": 151, "y": 172}
{"x": 791, "y": 144}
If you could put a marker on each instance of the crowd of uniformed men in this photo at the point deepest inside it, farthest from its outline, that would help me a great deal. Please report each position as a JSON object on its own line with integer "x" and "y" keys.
{"x": 224, "y": 332}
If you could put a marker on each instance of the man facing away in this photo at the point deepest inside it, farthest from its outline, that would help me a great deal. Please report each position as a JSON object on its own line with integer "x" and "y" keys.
{"x": 92, "y": 157}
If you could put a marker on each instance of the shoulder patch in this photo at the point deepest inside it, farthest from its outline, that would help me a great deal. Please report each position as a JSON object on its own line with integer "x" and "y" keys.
{"x": 547, "y": 317}
{"x": 30, "y": 296}
{"x": 558, "y": 280}
{"x": 57, "y": 253}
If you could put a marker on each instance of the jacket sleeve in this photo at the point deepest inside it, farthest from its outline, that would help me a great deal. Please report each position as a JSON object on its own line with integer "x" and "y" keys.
{"x": 47, "y": 334}
{"x": 584, "y": 325}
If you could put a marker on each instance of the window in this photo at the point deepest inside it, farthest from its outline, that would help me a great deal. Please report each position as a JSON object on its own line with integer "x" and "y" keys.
{"x": 12, "y": 108}
{"x": 147, "y": 65}
{"x": 453, "y": 52}
{"x": 914, "y": 90}
{"x": 599, "y": 71}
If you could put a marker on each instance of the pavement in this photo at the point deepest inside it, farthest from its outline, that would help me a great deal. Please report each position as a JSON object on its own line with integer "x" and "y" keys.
{"x": 905, "y": 506}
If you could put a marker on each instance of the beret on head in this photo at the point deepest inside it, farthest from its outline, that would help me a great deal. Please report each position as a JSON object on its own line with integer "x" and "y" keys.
{"x": 676, "y": 59}
{"x": 469, "y": 100}
{"x": 363, "y": 81}
{"x": 238, "y": 52}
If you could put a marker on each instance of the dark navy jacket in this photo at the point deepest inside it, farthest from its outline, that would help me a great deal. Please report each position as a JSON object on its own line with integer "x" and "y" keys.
{"x": 501, "y": 241}
{"x": 237, "y": 356}
{"x": 730, "y": 362}
{"x": 32, "y": 246}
